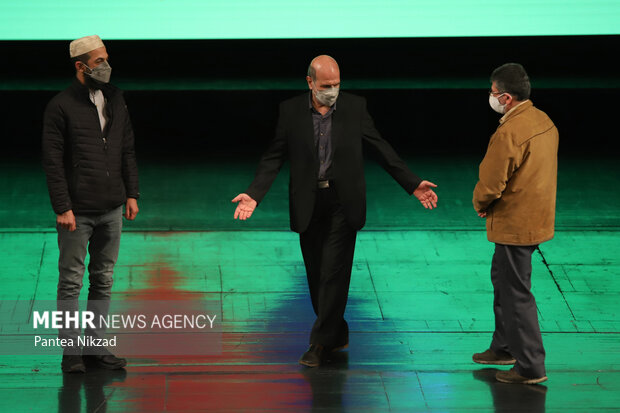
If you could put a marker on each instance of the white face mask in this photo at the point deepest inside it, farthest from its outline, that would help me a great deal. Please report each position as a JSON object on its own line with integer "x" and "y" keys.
{"x": 495, "y": 105}
{"x": 328, "y": 96}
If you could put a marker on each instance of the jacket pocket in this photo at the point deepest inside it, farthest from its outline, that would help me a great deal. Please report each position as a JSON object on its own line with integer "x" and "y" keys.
{"x": 75, "y": 177}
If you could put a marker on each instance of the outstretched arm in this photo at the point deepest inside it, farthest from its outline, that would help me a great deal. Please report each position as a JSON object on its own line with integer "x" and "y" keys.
{"x": 266, "y": 172}
{"x": 395, "y": 166}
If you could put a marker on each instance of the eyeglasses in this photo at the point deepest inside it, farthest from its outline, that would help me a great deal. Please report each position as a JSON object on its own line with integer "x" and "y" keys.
{"x": 496, "y": 93}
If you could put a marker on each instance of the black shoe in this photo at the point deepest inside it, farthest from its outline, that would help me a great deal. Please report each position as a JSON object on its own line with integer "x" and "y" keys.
{"x": 108, "y": 361}
{"x": 313, "y": 356}
{"x": 339, "y": 348}
{"x": 72, "y": 364}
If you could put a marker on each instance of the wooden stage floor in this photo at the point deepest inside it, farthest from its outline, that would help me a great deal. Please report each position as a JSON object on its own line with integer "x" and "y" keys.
{"x": 420, "y": 304}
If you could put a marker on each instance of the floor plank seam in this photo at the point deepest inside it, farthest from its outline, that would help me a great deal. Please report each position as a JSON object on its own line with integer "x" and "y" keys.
{"x": 387, "y": 395}
{"x": 36, "y": 285}
{"x": 421, "y": 390}
{"x": 375, "y": 290}
{"x": 556, "y": 282}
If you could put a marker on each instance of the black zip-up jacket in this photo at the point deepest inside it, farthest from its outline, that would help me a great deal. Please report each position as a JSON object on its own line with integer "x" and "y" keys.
{"x": 88, "y": 170}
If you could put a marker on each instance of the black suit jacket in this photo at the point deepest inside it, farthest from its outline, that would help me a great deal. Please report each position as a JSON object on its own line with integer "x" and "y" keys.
{"x": 352, "y": 127}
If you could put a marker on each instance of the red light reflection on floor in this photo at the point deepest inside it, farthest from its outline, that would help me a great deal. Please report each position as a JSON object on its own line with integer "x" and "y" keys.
{"x": 239, "y": 378}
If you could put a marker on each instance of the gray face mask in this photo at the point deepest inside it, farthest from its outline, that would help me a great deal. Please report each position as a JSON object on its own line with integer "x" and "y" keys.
{"x": 328, "y": 96}
{"x": 100, "y": 73}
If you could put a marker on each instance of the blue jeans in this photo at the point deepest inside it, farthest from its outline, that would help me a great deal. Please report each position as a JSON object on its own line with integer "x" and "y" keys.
{"x": 101, "y": 235}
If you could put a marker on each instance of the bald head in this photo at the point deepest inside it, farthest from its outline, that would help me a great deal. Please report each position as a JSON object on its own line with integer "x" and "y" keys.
{"x": 323, "y": 66}
{"x": 324, "y": 80}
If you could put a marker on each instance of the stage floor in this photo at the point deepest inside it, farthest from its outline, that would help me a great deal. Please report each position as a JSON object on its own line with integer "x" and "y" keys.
{"x": 420, "y": 301}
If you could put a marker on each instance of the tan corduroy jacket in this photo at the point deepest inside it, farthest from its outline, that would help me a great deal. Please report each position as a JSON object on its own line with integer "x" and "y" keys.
{"x": 518, "y": 178}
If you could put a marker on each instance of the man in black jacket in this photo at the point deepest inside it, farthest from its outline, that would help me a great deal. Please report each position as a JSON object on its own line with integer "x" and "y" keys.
{"x": 90, "y": 164}
{"x": 321, "y": 133}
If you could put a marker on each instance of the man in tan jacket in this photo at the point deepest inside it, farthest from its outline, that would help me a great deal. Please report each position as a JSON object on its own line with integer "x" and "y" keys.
{"x": 516, "y": 194}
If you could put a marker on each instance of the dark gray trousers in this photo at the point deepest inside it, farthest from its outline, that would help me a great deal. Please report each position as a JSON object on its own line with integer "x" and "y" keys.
{"x": 516, "y": 318}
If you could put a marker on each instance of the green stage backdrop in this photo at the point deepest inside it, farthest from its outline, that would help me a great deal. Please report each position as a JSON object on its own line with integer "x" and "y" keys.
{"x": 271, "y": 19}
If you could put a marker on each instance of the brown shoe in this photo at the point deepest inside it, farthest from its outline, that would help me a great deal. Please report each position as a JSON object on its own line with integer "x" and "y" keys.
{"x": 313, "y": 356}
{"x": 490, "y": 357}
{"x": 512, "y": 377}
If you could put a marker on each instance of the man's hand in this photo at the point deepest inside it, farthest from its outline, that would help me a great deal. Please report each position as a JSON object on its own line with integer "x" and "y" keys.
{"x": 426, "y": 196}
{"x": 245, "y": 207}
{"x": 131, "y": 209}
{"x": 66, "y": 220}
{"x": 482, "y": 214}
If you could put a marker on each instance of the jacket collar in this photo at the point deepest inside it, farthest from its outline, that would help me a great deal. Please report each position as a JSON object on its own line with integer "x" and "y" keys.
{"x": 82, "y": 90}
{"x": 516, "y": 110}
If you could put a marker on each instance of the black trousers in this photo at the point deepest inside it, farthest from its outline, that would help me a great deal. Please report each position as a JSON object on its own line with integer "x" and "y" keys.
{"x": 516, "y": 317}
{"x": 327, "y": 247}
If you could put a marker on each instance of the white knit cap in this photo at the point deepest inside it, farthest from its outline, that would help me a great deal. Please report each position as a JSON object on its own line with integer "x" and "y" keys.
{"x": 84, "y": 45}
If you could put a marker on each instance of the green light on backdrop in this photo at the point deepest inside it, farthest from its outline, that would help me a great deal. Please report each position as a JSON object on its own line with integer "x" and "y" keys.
{"x": 270, "y": 19}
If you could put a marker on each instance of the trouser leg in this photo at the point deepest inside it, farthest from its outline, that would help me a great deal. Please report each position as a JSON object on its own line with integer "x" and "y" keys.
{"x": 310, "y": 242}
{"x": 72, "y": 247}
{"x": 103, "y": 251}
{"x": 330, "y": 326}
{"x": 328, "y": 248}
{"x": 499, "y": 342}
{"x": 519, "y": 311}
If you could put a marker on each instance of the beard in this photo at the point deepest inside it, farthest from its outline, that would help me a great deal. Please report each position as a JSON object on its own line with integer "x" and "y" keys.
{"x": 92, "y": 83}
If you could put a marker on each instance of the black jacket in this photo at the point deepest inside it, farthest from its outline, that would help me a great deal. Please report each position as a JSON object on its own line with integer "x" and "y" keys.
{"x": 352, "y": 126}
{"x": 88, "y": 171}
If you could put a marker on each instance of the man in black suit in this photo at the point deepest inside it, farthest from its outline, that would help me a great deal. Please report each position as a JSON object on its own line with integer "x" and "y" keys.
{"x": 321, "y": 133}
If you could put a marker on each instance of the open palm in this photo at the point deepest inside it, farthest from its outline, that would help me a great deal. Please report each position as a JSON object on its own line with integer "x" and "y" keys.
{"x": 245, "y": 206}
{"x": 426, "y": 196}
